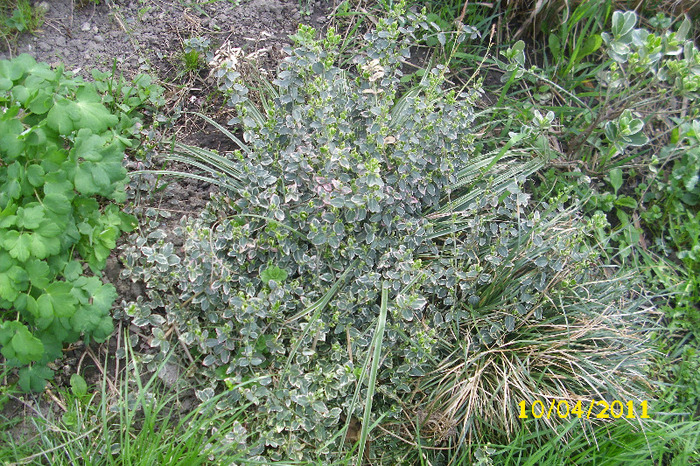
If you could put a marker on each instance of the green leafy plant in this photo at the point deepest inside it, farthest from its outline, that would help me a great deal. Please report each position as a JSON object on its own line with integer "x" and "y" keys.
{"x": 17, "y": 16}
{"x": 626, "y": 124}
{"x": 194, "y": 53}
{"x": 346, "y": 186}
{"x": 60, "y": 149}
{"x": 577, "y": 36}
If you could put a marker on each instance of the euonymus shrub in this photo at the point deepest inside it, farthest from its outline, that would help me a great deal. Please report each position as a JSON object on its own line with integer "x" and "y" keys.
{"x": 346, "y": 182}
{"x": 61, "y": 154}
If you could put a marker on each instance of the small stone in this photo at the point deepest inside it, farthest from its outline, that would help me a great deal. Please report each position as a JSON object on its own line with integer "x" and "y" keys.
{"x": 44, "y": 47}
{"x": 85, "y": 27}
{"x": 98, "y": 38}
{"x": 169, "y": 373}
{"x": 60, "y": 41}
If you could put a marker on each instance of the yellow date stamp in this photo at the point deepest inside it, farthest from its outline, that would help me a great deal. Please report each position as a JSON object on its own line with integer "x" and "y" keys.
{"x": 594, "y": 409}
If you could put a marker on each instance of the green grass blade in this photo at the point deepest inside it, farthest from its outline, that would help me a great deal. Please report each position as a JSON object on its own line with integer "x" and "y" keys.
{"x": 376, "y": 355}
{"x": 225, "y": 131}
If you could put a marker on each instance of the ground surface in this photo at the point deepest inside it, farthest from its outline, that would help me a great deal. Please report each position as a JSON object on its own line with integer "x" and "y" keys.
{"x": 147, "y": 35}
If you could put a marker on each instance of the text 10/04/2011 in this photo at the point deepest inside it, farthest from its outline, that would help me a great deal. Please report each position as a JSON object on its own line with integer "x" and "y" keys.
{"x": 563, "y": 409}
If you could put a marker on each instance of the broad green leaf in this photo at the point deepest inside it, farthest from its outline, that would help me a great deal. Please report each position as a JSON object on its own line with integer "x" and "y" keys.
{"x": 8, "y": 289}
{"x": 86, "y": 112}
{"x": 49, "y": 230}
{"x": 626, "y": 201}
{"x": 19, "y": 275}
{"x": 95, "y": 292}
{"x": 21, "y": 94}
{"x": 27, "y": 347}
{"x": 100, "y": 178}
{"x": 57, "y": 183}
{"x": 101, "y": 254}
{"x": 103, "y": 330}
{"x": 56, "y": 302}
{"x": 108, "y": 237}
{"x": 6, "y": 262}
{"x": 11, "y": 145}
{"x": 554, "y": 45}
{"x": 10, "y": 70}
{"x": 616, "y": 179}
{"x": 16, "y": 171}
{"x": 33, "y": 378}
{"x": 115, "y": 171}
{"x": 92, "y": 323}
{"x": 54, "y": 336}
{"x": 73, "y": 270}
{"x": 91, "y": 178}
{"x": 18, "y": 343}
{"x": 30, "y": 216}
{"x": 591, "y": 45}
{"x": 40, "y": 246}
{"x": 88, "y": 146}
{"x": 114, "y": 151}
{"x": 273, "y": 273}
{"x": 36, "y": 137}
{"x": 17, "y": 244}
{"x": 8, "y": 217}
{"x": 21, "y": 65}
{"x": 40, "y": 103}
{"x": 128, "y": 222}
{"x": 78, "y": 385}
{"x": 35, "y": 175}
{"x": 104, "y": 297}
{"x": 57, "y": 203}
{"x": 32, "y": 306}
{"x": 11, "y": 189}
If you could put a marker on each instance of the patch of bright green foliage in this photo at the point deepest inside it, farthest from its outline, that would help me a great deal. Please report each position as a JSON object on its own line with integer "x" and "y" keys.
{"x": 17, "y": 16}
{"x": 61, "y": 152}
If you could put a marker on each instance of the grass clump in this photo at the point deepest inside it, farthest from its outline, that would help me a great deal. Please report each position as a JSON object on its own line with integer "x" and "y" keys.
{"x": 16, "y": 17}
{"x": 130, "y": 419}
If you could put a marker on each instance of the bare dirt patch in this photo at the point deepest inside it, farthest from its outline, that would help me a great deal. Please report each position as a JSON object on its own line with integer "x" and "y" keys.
{"x": 147, "y": 35}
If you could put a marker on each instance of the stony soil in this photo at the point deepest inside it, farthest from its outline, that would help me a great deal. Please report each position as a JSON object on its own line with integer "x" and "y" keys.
{"x": 147, "y": 35}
